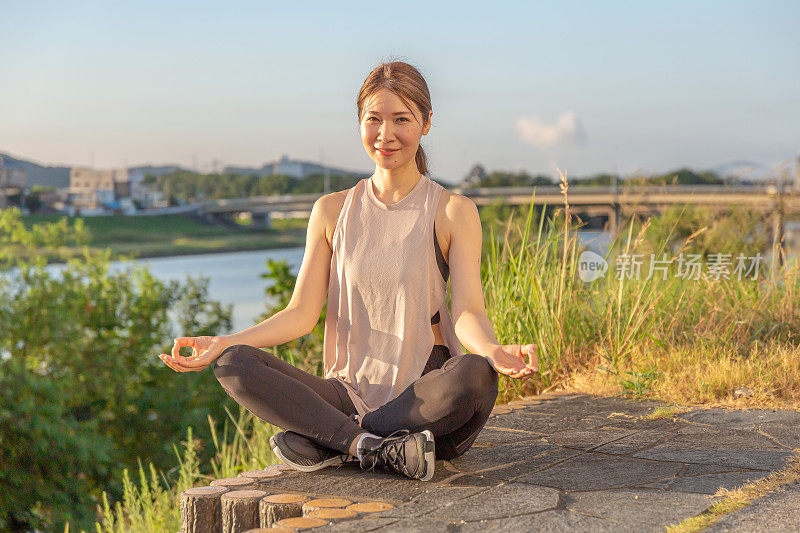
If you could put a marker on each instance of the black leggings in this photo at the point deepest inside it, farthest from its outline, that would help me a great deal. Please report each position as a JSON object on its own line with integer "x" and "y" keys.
{"x": 453, "y": 401}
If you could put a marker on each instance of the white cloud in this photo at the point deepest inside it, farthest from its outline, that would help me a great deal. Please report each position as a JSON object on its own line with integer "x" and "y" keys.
{"x": 567, "y": 130}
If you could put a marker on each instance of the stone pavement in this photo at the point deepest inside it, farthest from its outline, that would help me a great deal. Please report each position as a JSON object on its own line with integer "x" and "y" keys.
{"x": 578, "y": 462}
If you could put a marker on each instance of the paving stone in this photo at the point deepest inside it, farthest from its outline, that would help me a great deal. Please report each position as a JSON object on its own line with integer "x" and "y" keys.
{"x": 652, "y": 507}
{"x": 587, "y": 439}
{"x": 478, "y": 459}
{"x": 415, "y": 526}
{"x": 491, "y": 435}
{"x": 499, "y": 502}
{"x": 784, "y": 434}
{"x": 471, "y": 480}
{"x": 589, "y": 405}
{"x": 709, "y": 483}
{"x": 636, "y": 441}
{"x": 349, "y": 481}
{"x": 362, "y": 524}
{"x": 545, "y": 423}
{"x": 593, "y": 471}
{"x": 612, "y": 404}
{"x": 643, "y": 424}
{"x": 735, "y": 438}
{"x": 777, "y": 511}
{"x": 434, "y": 498}
{"x": 734, "y": 448}
{"x": 516, "y": 470}
{"x": 700, "y": 470}
{"x": 384, "y": 525}
{"x": 555, "y": 521}
{"x": 741, "y": 419}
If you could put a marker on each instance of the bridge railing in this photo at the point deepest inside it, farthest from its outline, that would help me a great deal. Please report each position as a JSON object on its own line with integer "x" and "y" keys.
{"x": 626, "y": 189}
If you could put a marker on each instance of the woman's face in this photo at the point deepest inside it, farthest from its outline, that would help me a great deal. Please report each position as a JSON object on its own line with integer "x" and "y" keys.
{"x": 387, "y": 123}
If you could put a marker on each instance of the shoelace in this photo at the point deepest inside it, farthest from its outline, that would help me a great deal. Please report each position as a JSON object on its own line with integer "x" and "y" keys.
{"x": 391, "y": 452}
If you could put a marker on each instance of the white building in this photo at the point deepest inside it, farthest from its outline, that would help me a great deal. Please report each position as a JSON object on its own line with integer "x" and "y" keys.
{"x": 96, "y": 191}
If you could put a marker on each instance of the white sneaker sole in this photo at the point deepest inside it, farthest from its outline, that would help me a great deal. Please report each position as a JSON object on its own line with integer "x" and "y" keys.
{"x": 430, "y": 457}
{"x": 337, "y": 459}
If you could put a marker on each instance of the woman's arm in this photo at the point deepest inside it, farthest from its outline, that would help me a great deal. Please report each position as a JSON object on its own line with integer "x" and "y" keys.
{"x": 303, "y": 311}
{"x": 469, "y": 311}
{"x": 284, "y": 326}
{"x": 472, "y": 325}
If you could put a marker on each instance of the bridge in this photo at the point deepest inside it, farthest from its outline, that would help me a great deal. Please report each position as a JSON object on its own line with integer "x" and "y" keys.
{"x": 606, "y": 205}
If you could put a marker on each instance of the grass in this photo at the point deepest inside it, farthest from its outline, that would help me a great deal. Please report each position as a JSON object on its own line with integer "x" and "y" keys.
{"x": 151, "y": 505}
{"x": 670, "y": 338}
{"x": 164, "y": 235}
{"x": 742, "y": 496}
{"x": 664, "y": 411}
{"x": 693, "y": 376}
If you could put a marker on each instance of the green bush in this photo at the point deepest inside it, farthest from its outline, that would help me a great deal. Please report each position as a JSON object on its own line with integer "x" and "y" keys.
{"x": 47, "y": 457}
{"x": 90, "y": 337}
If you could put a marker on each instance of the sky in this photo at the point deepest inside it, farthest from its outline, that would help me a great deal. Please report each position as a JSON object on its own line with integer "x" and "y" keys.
{"x": 584, "y": 87}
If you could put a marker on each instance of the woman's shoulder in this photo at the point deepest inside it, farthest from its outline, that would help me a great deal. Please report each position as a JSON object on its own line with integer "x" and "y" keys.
{"x": 331, "y": 205}
{"x": 449, "y": 218}
{"x": 452, "y": 208}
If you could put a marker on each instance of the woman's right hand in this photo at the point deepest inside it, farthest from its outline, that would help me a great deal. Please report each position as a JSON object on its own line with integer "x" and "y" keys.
{"x": 205, "y": 350}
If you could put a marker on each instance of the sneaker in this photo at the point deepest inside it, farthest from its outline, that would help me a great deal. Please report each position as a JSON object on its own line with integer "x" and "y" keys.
{"x": 301, "y": 453}
{"x": 409, "y": 454}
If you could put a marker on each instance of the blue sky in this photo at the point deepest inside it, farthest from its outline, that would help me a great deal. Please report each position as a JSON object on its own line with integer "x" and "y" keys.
{"x": 583, "y": 86}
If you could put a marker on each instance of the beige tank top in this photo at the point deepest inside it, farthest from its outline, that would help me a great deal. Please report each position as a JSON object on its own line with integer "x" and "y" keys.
{"x": 384, "y": 286}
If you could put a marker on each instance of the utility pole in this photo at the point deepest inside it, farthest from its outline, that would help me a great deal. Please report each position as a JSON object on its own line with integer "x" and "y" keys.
{"x": 613, "y": 214}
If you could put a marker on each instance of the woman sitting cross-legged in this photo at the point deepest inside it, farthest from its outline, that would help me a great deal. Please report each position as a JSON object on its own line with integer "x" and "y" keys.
{"x": 398, "y": 390}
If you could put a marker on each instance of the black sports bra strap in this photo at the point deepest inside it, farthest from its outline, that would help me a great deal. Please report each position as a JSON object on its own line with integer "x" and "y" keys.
{"x": 444, "y": 268}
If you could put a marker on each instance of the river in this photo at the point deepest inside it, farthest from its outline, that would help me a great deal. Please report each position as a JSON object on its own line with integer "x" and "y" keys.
{"x": 234, "y": 277}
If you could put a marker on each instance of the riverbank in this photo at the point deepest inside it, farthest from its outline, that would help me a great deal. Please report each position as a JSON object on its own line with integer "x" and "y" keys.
{"x": 172, "y": 235}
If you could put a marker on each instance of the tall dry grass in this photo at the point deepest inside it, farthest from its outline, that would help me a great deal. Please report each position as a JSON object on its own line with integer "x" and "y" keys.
{"x": 660, "y": 336}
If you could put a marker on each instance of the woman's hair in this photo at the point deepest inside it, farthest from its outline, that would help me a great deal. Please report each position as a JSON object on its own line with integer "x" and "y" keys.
{"x": 408, "y": 84}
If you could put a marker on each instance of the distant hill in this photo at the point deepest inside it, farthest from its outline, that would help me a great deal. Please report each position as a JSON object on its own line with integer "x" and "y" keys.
{"x": 36, "y": 174}
{"x": 295, "y": 168}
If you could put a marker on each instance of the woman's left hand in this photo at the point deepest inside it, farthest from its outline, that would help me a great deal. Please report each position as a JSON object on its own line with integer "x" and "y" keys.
{"x": 509, "y": 359}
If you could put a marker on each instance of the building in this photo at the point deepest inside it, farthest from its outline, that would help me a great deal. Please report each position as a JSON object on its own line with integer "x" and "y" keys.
{"x": 91, "y": 190}
{"x": 141, "y": 193}
{"x": 95, "y": 191}
{"x": 12, "y": 179}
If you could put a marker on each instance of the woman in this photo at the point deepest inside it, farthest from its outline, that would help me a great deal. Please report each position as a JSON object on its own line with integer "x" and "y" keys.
{"x": 398, "y": 391}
